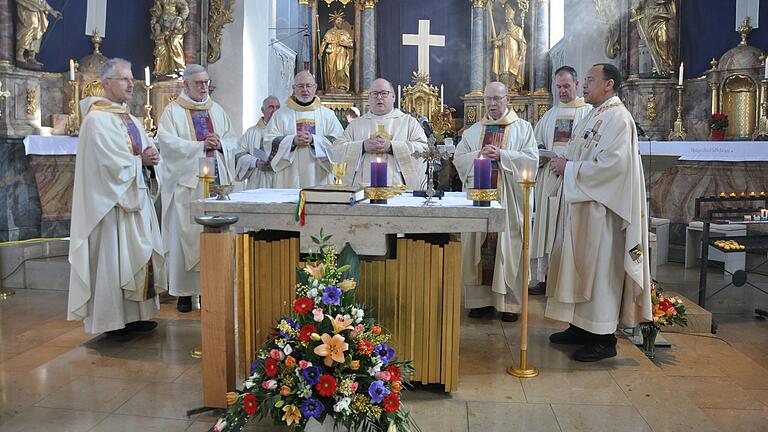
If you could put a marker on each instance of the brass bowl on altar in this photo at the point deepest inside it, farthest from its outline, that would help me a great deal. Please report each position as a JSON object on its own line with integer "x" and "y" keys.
{"x": 222, "y": 191}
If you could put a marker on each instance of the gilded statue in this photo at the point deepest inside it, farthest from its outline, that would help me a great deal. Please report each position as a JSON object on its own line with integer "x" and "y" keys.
{"x": 168, "y": 24}
{"x": 336, "y": 51}
{"x": 655, "y": 20}
{"x": 30, "y": 27}
{"x": 509, "y": 48}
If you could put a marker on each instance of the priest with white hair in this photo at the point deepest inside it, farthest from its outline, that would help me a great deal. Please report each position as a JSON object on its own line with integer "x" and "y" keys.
{"x": 253, "y": 164}
{"x": 191, "y": 127}
{"x": 116, "y": 251}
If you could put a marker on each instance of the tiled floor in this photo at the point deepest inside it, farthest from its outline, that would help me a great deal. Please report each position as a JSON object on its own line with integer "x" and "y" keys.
{"x": 53, "y": 377}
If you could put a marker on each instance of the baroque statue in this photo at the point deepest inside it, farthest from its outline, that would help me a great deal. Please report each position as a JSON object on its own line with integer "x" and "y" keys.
{"x": 168, "y": 24}
{"x": 509, "y": 48}
{"x": 336, "y": 52}
{"x": 655, "y": 22}
{"x": 30, "y": 27}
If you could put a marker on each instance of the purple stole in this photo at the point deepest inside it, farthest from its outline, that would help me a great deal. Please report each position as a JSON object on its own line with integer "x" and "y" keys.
{"x": 133, "y": 133}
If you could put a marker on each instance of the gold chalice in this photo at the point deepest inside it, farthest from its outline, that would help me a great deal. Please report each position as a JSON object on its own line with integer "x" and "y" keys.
{"x": 339, "y": 169}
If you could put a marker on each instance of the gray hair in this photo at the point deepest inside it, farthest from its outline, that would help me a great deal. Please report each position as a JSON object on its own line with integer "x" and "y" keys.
{"x": 110, "y": 67}
{"x": 192, "y": 69}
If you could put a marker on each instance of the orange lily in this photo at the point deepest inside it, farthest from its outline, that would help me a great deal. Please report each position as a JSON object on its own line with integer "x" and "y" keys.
{"x": 332, "y": 349}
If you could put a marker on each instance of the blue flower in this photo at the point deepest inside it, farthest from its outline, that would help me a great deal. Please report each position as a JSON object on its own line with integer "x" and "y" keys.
{"x": 312, "y": 408}
{"x": 384, "y": 352}
{"x": 294, "y": 325}
{"x": 256, "y": 364}
{"x": 377, "y": 391}
{"x": 312, "y": 374}
{"x": 331, "y": 295}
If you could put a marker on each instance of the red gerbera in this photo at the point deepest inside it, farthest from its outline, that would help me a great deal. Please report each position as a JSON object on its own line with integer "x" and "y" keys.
{"x": 250, "y": 404}
{"x": 666, "y": 305}
{"x": 303, "y": 305}
{"x": 394, "y": 372}
{"x": 270, "y": 367}
{"x": 326, "y": 386}
{"x": 306, "y": 331}
{"x": 391, "y": 403}
{"x": 365, "y": 347}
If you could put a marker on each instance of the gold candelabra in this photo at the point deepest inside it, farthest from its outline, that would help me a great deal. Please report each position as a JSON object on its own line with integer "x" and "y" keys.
{"x": 761, "y": 134}
{"x": 73, "y": 124}
{"x": 207, "y": 180}
{"x": 678, "y": 130}
{"x": 523, "y": 370}
{"x": 149, "y": 124}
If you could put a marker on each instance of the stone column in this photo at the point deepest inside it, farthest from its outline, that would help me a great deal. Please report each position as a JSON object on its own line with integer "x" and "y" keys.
{"x": 541, "y": 50}
{"x": 368, "y": 67}
{"x": 477, "y": 48}
{"x": 192, "y": 37}
{"x": 305, "y": 50}
{"x": 6, "y": 33}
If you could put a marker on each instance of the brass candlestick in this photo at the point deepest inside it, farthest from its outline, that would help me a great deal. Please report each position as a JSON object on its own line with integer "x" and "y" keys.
{"x": 73, "y": 124}
{"x": 761, "y": 134}
{"x": 149, "y": 124}
{"x": 678, "y": 130}
{"x": 524, "y": 370}
{"x": 207, "y": 180}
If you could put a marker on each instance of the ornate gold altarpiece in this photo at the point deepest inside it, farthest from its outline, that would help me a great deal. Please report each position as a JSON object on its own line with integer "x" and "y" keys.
{"x": 412, "y": 283}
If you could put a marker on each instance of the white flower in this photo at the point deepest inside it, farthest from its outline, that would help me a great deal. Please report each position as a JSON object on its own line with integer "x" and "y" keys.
{"x": 342, "y": 405}
{"x": 315, "y": 283}
{"x": 220, "y": 425}
{"x": 312, "y": 293}
{"x": 248, "y": 384}
{"x": 305, "y": 392}
{"x": 287, "y": 350}
{"x": 374, "y": 370}
{"x": 358, "y": 315}
{"x": 317, "y": 314}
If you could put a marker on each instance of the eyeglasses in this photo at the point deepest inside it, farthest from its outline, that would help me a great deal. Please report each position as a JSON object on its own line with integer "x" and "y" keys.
{"x": 304, "y": 86}
{"x": 203, "y": 83}
{"x": 380, "y": 94}
{"x": 496, "y": 99}
{"x": 124, "y": 80}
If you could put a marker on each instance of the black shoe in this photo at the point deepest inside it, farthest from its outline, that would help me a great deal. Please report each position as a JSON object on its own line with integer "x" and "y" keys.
{"x": 571, "y": 336}
{"x": 141, "y": 326}
{"x": 594, "y": 352}
{"x": 184, "y": 304}
{"x": 509, "y": 316}
{"x": 481, "y": 312}
{"x": 539, "y": 289}
{"x": 122, "y": 335}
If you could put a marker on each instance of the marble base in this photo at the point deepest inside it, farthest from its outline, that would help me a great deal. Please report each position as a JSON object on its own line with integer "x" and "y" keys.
{"x": 652, "y": 103}
{"x": 55, "y": 176}
{"x": 19, "y": 200}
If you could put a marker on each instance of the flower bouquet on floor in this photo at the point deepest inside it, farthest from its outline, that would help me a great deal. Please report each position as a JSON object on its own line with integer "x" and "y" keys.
{"x": 326, "y": 362}
{"x": 717, "y": 125}
{"x": 667, "y": 311}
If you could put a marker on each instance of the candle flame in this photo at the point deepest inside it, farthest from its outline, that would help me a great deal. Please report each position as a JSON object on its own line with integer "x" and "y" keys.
{"x": 378, "y": 159}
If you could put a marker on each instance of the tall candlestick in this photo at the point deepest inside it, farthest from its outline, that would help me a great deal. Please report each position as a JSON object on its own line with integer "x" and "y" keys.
{"x": 398, "y": 96}
{"x": 442, "y": 97}
{"x": 379, "y": 173}
{"x": 146, "y": 76}
{"x": 71, "y": 70}
{"x": 482, "y": 173}
{"x": 765, "y": 74}
{"x": 680, "y": 75}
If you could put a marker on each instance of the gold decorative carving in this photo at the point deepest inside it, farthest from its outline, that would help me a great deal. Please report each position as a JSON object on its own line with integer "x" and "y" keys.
{"x": 303, "y": 2}
{"x": 368, "y": 4}
{"x": 3, "y": 94}
{"x": 482, "y": 194}
{"x": 471, "y": 115}
{"x": 421, "y": 99}
{"x": 219, "y": 15}
{"x": 650, "y": 108}
{"x": 168, "y": 24}
{"x": 744, "y": 31}
{"x": 607, "y": 13}
{"x": 336, "y": 54}
{"x": 31, "y": 24}
{"x": 655, "y": 23}
{"x": 92, "y": 88}
{"x": 678, "y": 129}
{"x": 329, "y": 2}
{"x": 31, "y": 101}
{"x": 478, "y": 3}
{"x": 739, "y": 94}
{"x": 443, "y": 121}
{"x": 713, "y": 63}
{"x": 509, "y": 47}
{"x": 543, "y": 108}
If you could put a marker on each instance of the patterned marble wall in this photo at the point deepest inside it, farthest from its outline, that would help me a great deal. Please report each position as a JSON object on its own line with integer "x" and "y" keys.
{"x": 19, "y": 201}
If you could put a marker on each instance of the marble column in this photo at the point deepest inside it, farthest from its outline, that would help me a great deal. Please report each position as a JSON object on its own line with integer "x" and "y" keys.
{"x": 477, "y": 48}
{"x": 192, "y": 37}
{"x": 541, "y": 71}
{"x": 6, "y": 33}
{"x": 305, "y": 49}
{"x": 368, "y": 69}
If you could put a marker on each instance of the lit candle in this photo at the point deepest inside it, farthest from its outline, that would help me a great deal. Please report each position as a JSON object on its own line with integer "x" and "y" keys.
{"x": 762, "y": 193}
{"x": 442, "y": 97}
{"x": 482, "y": 173}
{"x": 751, "y": 194}
{"x": 71, "y": 70}
{"x": 379, "y": 173}
{"x": 743, "y": 194}
{"x": 680, "y": 75}
{"x": 146, "y": 76}
{"x": 722, "y": 194}
{"x": 733, "y": 194}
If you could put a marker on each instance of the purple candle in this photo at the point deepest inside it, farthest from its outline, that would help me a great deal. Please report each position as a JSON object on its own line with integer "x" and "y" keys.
{"x": 379, "y": 173}
{"x": 482, "y": 173}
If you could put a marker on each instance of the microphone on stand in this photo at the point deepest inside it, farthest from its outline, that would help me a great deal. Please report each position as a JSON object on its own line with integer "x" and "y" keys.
{"x": 640, "y": 131}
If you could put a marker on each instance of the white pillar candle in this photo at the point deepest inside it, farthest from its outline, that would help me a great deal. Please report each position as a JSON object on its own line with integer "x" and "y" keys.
{"x": 442, "y": 98}
{"x": 765, "y": 74}
{"x": 398, "y": 96}
{"x": 146, "y": 76}
{"x": 680, "y": 75}
{"x": 71, "y": 70}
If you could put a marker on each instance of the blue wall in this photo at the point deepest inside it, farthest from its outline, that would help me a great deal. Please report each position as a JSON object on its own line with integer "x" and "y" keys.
{"x": 708, "y": 30}
{"x": 127, "y": 35}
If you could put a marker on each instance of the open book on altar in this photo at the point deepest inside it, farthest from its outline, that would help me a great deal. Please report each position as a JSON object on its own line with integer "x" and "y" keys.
{"x": 333, "y": 194}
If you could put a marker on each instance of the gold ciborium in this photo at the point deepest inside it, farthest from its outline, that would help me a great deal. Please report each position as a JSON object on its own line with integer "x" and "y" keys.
{"x": 339, "y": 169}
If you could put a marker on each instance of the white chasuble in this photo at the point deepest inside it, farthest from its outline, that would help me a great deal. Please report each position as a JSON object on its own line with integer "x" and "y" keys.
{"x": 402, "y": 130}
{"x": 299, "y": 167}
{"x": 183, "y": 127}
{"x": 251, "y": 144}
{"x": 553, "y": 132}
{"x": 500, "y": 289}
{"x": 599, "y": 274}
{"x": 115, "y": 250}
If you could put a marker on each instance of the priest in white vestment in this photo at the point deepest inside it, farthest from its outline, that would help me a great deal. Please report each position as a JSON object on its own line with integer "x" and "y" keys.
{"x": 252, "y": 160}
{"x": 553, "y": 132}
{"x": 191, "y": 127}
{"x": 385, "y": 134}
{"x": 490, "y": 263}
{"x": 115, "y": 249}
{"x": 301, "y": 133}
{"x": 599, "y": 275}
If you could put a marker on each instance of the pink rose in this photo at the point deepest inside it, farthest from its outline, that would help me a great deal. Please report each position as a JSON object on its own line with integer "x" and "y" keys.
{"x": 304, "y": 364}
{"x": 383, "y": 375}
{"x": 353, "y": 387}
{"x": 269, "y": 385}
{"x": 317, "y": 314}
{"x": 276, "y": 354}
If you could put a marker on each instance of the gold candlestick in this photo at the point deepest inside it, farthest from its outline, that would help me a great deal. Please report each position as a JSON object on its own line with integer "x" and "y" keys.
{"x": 207, "y": 180}
{"x": 523, "y": 370}
{"x": 761, "y": 134}
{"x": 149, "y": 124}
{"x": 678, "y": 130}
{"x": 73, "y": 124}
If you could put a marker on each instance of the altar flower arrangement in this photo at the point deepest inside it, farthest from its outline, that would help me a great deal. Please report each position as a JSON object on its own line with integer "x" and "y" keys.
{"x": 719, "y": 121}
{"x": 327, "y": 361}
{"x": 667, "y": 311}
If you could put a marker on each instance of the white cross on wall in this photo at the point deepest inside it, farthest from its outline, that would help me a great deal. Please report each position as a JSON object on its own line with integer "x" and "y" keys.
{"x": 424, "y": 40}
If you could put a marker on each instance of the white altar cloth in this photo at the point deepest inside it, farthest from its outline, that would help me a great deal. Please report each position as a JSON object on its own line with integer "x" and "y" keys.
{"x": 50, "y": 145}
{"x": 721, "y": 151}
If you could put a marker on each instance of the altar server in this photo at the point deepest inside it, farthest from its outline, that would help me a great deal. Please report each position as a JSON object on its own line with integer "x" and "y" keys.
{"x": 253, "y": 165}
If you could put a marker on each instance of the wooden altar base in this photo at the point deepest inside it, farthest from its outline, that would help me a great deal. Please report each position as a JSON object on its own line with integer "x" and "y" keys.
{"x": 415, "y": 293}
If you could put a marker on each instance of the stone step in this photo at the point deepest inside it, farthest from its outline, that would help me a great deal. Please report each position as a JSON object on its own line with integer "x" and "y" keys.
{"x": 699, "y": 319}
{"x": 37, "y": 265}
{"x": 47, "y": 273}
